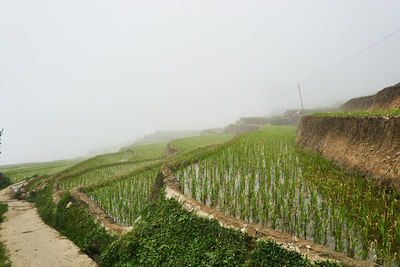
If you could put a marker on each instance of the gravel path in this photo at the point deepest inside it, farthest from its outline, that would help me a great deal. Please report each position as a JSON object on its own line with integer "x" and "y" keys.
{"x": 30, "y": 242}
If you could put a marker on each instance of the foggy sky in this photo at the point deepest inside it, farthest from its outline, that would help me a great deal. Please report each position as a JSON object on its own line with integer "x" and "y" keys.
{"x": 76, "y": 75}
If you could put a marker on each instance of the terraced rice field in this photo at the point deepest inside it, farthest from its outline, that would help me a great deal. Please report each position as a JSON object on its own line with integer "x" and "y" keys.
{"x": 95, "y": 175}
{"x": 20, "y": 172}
{"x": 263, "y": 177}
{"x": 123, "y": 199}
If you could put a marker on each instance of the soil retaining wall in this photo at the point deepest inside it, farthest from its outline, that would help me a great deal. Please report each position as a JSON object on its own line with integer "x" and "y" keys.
{"x": 170, "y": 149}
{"x": 370, "y": 144}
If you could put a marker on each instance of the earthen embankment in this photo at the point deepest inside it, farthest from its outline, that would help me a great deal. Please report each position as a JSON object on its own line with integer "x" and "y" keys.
{"x": 366, "y": 143}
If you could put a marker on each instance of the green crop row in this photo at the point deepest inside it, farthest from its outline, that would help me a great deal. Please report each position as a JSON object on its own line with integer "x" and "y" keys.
{"x": 186, "y": 144}
{"x": 17, "y": 173}
{"x": 124, "y": 198}
{"x": 95, "y": 175}
{"x": 264, "y": 178}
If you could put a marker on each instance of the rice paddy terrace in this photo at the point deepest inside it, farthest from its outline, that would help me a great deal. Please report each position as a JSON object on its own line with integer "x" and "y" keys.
{"x": 260, "y": 178}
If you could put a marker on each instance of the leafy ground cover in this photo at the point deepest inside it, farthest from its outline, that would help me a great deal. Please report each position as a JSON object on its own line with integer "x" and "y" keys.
{"x": 4, "y": 181}
{"x": 169, "y": 235}
{"x": 166, "y": 235}
{"x": 4, "y": 261}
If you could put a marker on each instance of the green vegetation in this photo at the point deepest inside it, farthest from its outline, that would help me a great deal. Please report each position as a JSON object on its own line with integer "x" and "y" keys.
{"x": 185, "y": 144}
{"x": 169, "y": 235}
{"x": 20, "y": 172}
{"x": 123, "y": 199}
{"x": 357, "y": 112}
{"x": 164, "y": 233}
{"x": 4, "y": 261}
{"x": 149, "y": 151}
{"x": 73, "y": 222}
{"x": 4, "y": 181}
{"x": 100, "y": 160}
{"x": 101, "y": 173}
{"x": 263, "y": 178}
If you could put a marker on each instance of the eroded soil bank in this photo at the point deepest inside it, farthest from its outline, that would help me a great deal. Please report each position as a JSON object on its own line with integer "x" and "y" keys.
{"x": 370, "y": 144}
{"x": 30, "y": 242}
{"x": 386, "y": 99}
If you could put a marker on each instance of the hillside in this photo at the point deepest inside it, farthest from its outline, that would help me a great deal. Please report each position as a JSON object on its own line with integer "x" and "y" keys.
{"x": 386, "y": 99}
{"x": 229, "y": 200}
{"x": 105, "y": 197}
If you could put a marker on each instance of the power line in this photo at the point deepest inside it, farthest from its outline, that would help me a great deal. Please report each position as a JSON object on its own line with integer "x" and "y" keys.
{"x": 350, "y": 57}
{"x": 317, "y": 75}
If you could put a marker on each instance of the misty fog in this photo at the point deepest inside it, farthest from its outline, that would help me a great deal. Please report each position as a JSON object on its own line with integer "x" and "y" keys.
{"x": 79, "y": 75}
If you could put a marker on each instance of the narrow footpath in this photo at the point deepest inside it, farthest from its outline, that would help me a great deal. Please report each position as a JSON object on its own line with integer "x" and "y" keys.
{"x": 30, "y": 242}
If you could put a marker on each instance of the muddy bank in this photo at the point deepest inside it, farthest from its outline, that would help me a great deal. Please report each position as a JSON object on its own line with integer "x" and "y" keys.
{"x": 170, "y": 149}
{"x": 370, "y": 144}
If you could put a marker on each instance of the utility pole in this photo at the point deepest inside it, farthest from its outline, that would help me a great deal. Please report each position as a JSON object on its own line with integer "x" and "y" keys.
{"x": 301, "y": 99}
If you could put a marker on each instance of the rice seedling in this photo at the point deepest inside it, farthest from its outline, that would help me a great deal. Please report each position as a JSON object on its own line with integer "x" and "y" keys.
{"x": 94, "y": 175}
{"x": 124, "y": 198}
{"x": 20, "y": 172}
{"x": 263, "y": 177}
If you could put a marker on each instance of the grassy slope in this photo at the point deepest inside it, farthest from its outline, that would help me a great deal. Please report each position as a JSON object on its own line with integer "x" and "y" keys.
{"x": 185, "y": 144}
{"x": 20, "y": 172}
{"x": 166, "y": 234}
{"x": 149, "y": 151}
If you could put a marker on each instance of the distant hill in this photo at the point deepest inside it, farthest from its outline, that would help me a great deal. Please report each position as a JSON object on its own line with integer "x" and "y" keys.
{"x": 386, "y": 99}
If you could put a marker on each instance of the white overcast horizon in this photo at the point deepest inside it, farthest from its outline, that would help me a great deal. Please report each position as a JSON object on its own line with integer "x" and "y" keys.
{"x": 81, "y": 75}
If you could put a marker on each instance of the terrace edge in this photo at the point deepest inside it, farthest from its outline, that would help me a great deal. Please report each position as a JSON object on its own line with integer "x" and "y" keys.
{"x": 312, "y": 251}
{"x": 369, "y": 144}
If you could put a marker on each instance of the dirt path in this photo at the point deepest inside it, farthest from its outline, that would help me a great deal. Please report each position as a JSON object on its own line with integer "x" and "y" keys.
{"x": 30, "y": 242}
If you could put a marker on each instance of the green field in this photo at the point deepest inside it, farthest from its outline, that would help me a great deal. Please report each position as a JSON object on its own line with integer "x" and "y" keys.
{"x": 259, "y": 177}
{"x": 264, "y": 178}
{"x": 186, "y": 144}
{"x": 20, "y": 172}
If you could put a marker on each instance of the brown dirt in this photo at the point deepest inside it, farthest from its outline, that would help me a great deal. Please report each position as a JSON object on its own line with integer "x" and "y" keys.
{"x": 386, "y": 99}
{"x": 370, "y": 144}
{"x": 30, "y": 242}
{"x": 170, "y": 149}
{"x": 311, "y": 250}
